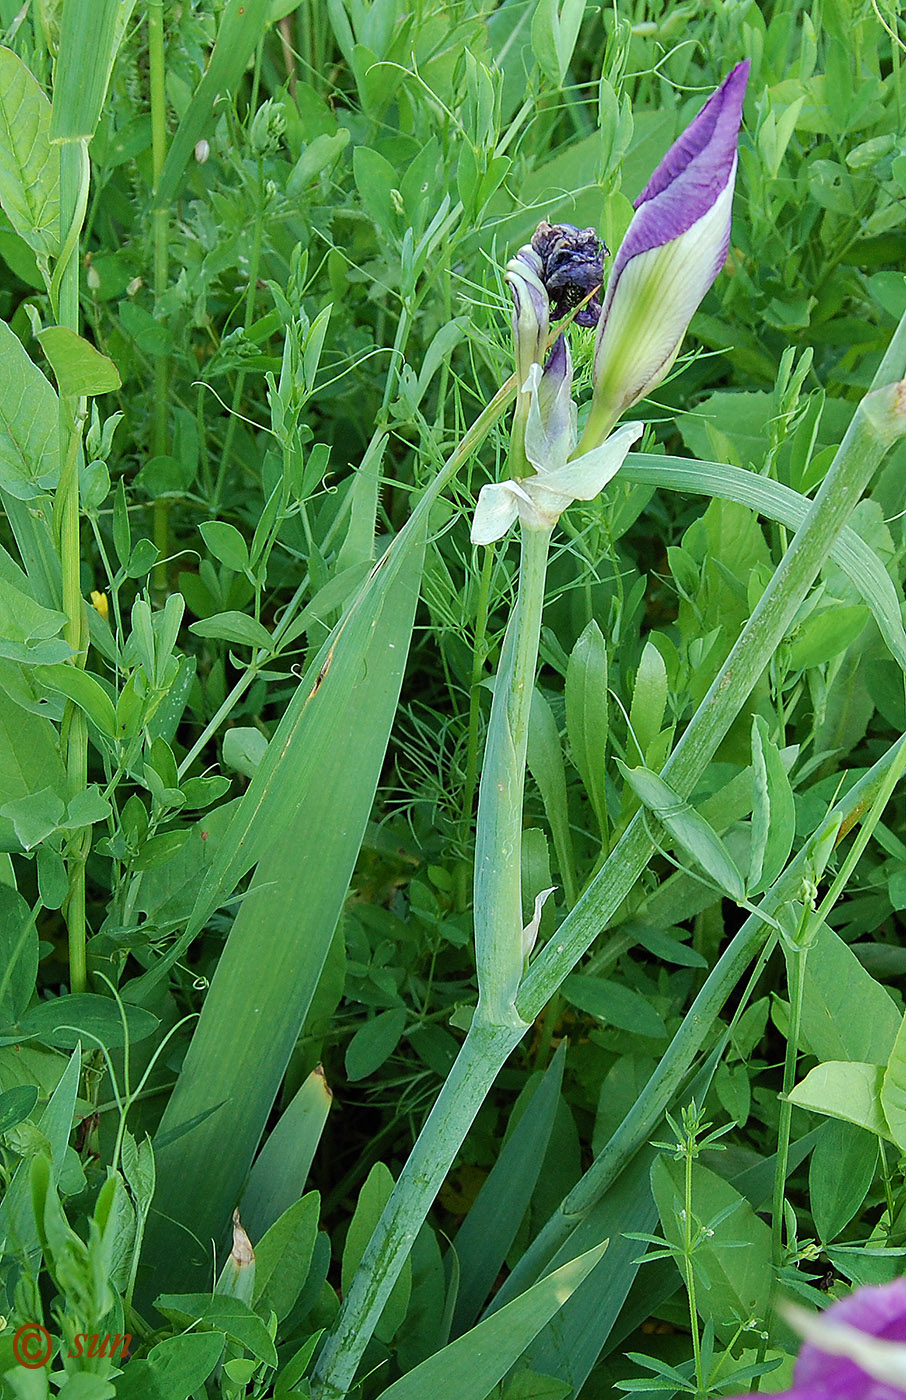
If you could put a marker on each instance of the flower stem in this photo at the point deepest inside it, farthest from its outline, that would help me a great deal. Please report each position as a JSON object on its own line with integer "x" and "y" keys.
{"x": 498, "y": 847}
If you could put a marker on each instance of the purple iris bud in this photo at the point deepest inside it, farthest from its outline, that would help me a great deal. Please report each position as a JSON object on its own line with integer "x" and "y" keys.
{"x": 572, "y": 267}
{"x": 674, "y": 248}
{"x": 855, "y": 1350}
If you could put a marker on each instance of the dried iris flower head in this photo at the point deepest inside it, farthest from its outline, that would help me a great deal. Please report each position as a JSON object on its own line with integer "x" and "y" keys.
{"x": 572, "y": 265}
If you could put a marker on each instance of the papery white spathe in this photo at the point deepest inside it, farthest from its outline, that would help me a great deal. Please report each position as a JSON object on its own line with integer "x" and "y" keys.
{"x": 550, "y": 436}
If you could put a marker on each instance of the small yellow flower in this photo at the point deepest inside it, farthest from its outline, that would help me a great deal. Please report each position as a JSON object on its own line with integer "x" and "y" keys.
{"x": 99, "y": 603}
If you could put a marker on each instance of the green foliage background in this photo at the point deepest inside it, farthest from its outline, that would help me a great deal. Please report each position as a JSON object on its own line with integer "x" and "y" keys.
{"x": 292, "y": 255}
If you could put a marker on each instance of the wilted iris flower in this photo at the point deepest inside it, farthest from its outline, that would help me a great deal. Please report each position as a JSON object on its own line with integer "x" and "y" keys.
{"x": 572, "y": 269}
{"x": 674, "y": 248}
{"x": 856, "y": 1350}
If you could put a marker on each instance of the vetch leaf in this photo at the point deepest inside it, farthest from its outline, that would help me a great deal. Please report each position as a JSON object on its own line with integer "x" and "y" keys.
{"x": 773, "y": 813}
{"x": 86, "y": 692}
{"x": 233, "y": 627}
{"x": 374, "y": 1042}
{"x": 29, "y": 430}
{"x": 649, "y": 699}
{"x": 226, "y": 544}
{"x": 283, "y": 1256}
{"x": 79, "y": 368}
{"x": 893, "y": 1089}
{"x": 222, "y": 1314}
{"x": 850, "y": 1090}
{"x": 586, "y": 714}
{"x": 688, "y": 828}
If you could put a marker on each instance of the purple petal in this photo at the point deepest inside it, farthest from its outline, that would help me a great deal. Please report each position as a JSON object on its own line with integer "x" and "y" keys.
{"x": 879, "y": 1310}
{"x": 689, "y": 179}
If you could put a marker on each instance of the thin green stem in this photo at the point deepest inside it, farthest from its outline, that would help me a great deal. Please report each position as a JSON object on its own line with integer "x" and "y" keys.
{"x": 160, "y": 223}
{"x": 479, "y": 656}
{"x": 499, "y": 954}
{"x": 796, "y": 957}
{"x": 688, "y": 1270}
{"x": 73, "y": 200}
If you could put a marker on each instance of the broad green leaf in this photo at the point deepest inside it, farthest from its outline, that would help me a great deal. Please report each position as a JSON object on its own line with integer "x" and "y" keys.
{"x": 586, "y": 714}
{"x": 687, "y": 827}
{"x": 374, "y": 1042}
{"x": 544, "y": 757}
{"x": 825, "y": 635}
{"x": 613, "y": 1003}
{"x": 280, "y": 1170}
{"x": 79, "y": 368}
{"x": 233, "y": 627}
{"x": 242, "y": 25}
{"x": 34, "y": 816}
{"x": 773, "y": 813}
{"x": 312, "y": 791}
{"x": 470, "y": 1367}
{"x": 850, "y": 1090}
{"x": 221, "y": 1314}
{"x": 841, "y": 1170}
{"x": 283, "y": 1256}
{"x": 18, "y": 954}
{"x": 731, "y": 1282}
{"x": 373, "y": 1197}
{"x": 846, "y": 1014}
{"x": 17, "y": 1221}
{"x": 16, "y": 1104}
{"x": 29, "y": 427}
{"x": 488, "y": 1231}
{"x": 29, "y": 165}
{"x": 29, "y": 760}
{"x": 87, "y": 692}
{"x": 82, "y": 1016}
{"x": 174, "y": 1369}
{"x": 893, "y": 1089}
{"x": 649, "y": 700}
